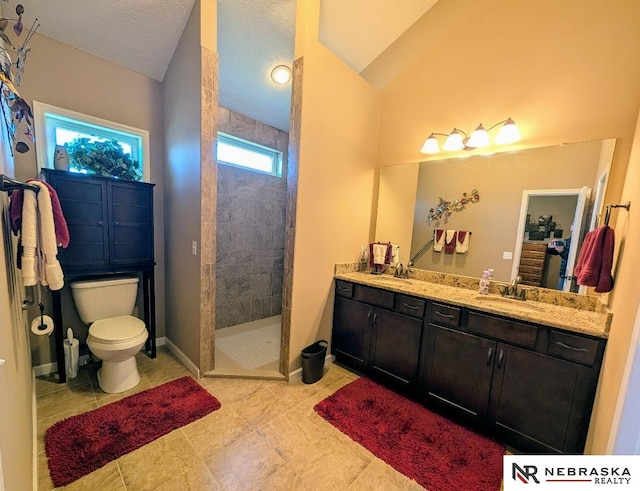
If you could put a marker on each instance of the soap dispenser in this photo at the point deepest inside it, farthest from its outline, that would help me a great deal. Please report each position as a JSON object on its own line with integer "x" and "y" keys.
{"x": 484, "y": 283}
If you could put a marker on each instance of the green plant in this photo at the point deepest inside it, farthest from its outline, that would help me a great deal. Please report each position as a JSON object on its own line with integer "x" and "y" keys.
{"x": 104, "y": 158}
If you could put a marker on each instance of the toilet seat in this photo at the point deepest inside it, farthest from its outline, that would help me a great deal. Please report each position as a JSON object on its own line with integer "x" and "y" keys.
{"x": 117, "y": 330}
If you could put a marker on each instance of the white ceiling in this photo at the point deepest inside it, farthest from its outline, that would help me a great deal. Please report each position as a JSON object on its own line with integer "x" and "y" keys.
{"x": 253, "y": 36}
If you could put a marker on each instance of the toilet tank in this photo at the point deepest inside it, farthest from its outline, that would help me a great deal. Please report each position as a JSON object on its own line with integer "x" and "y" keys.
{"x": 101, "y": 298}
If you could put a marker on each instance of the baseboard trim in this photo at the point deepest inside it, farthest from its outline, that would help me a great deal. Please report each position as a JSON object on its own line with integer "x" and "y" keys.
{"x": 182, "y": 357}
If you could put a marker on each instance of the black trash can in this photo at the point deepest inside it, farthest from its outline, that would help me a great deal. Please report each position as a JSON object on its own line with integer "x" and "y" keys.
{"x": 313, "y": 361}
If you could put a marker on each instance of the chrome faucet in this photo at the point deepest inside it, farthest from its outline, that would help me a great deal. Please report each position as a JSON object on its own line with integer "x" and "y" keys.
{"x": 402, "y": 272}
{"x": 512, "y": 291}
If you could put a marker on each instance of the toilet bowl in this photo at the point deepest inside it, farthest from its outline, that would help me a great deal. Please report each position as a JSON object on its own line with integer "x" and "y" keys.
{"x": 116, "y": 341}
{"x": 115, "y": 336}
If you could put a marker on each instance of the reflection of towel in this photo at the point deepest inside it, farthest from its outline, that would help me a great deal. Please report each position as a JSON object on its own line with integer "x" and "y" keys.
{"x": 395, "y": 254}
{"x": 450, "y": 242}
{"x": 378, "y": 254}
{"x": 593, "y": 267}
{"x": 438, "y": 240}
{"x": 462, "y": 245}
{"x": 15, "y": 213}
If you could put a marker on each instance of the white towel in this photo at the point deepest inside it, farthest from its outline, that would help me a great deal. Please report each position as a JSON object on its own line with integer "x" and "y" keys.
{"x": 29, "y": 238}
{"x": 380, "y": 253}
{"x": 40, "y": 249}
{"x": 395, "y": 254}
{"x": 462, "y": 245}
{"x": 438, "y": 240}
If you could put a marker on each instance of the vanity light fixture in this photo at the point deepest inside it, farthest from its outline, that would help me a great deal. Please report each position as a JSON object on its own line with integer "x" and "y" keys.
{"x": 459, "y": 140}
{"x": 281, "y": 74}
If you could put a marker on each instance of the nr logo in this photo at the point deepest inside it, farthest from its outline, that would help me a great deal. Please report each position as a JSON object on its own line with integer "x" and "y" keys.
{"x": 524, "y": 473}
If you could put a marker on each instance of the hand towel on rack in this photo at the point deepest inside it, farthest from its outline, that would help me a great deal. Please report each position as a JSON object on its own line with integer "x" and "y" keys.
{"x": 450, "y": 241}
{"x": 462, "y": 245}
{"x": 15, "y": 213}
{"x": 29, "y": 238}
{"x": 595, "y": 260}
{"x": 395, "y": 254}
{"x": 378, "y": 254}
{"x": 438, "y": 240}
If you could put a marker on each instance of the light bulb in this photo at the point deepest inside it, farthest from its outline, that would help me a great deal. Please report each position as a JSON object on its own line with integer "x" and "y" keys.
{"x": 509, "y": 133}
{"x": 430, "y": 145}
{"x": 454, "y": 141}
{"x": 479, "y": 138}
{"x": 281, "y": 74}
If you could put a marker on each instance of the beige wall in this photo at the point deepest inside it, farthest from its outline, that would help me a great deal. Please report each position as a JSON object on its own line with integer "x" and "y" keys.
{"x": 63, "y": 76}
{"x": 182, "y": 106}
{"x": 565, "y": 71}
{"x": 624, "y": 303}
{"x": 339, "y": 123}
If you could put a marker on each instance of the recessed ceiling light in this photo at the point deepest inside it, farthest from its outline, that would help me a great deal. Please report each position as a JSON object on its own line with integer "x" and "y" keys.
{"x": 281, "y": 74}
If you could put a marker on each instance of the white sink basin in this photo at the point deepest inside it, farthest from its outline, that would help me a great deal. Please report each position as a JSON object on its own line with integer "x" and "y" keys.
{"x": 506, "y": 303}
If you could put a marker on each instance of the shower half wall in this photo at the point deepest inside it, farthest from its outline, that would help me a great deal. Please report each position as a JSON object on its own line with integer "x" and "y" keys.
{"x": 250, "y": 230}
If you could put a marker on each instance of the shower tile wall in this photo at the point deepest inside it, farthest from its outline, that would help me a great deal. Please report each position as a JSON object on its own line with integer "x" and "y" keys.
{"x": 250, "y": 230}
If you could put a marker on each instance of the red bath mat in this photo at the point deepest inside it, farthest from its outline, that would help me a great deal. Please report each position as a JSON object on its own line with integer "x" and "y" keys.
{"x": 437, "y": 453}
{"x": 81, "y": 444}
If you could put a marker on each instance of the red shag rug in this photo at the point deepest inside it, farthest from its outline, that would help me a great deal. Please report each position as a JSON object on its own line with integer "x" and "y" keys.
{"x": 437, "y": 453}
{"x": 81, "y": 444}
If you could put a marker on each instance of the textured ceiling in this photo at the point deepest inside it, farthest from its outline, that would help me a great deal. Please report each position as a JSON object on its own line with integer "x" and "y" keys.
{"x": 253, "y": 36}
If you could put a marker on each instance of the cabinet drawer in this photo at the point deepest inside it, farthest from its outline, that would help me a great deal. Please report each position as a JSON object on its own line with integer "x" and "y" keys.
{"x": 445, "y": 315}
{"x": 503, "y": 329}
{"x": 374, "y": 296}
{"x": 410, "y": 306}
{"x": 344, "y": 289}
{"x": 573, "y": 348}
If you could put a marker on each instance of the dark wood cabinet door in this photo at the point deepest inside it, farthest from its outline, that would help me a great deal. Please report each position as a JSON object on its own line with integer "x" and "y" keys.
{"x": 131, "y": 223}
{"x": 539, "y": 402}
{"x": 351, "y": 337}
{"x": 395, "y": 348}
{"x": 83, "y": 205}
{"x": 458, "y": 371}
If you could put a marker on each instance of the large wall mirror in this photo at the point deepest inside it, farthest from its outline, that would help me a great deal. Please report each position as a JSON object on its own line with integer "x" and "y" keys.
{"x": 497, "y": 221}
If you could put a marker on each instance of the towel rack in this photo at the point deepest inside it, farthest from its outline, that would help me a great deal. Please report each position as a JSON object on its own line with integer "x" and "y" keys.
{"x": 424, "y": 248}
{"x": 608, "y": 212}
{"x": 7, "y": 184}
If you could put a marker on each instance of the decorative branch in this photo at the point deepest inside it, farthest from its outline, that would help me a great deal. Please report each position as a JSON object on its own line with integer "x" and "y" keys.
{"x": 445, "y": 208}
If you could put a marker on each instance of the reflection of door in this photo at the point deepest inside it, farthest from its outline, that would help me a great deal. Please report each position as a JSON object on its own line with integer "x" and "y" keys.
{"x": 577, "y": 233}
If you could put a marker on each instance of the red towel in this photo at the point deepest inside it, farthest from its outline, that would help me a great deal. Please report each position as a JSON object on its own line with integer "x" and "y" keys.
{"x": 593, "y": 267}
{"x": 450, "y": 241}
{"x": 15, "y": 214}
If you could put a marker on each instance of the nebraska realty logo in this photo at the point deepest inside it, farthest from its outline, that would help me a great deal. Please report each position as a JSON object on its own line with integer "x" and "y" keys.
{"x": 567, "y": 472}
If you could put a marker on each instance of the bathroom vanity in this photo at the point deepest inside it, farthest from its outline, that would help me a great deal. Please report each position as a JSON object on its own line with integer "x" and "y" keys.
{"x": 525, "y": 372}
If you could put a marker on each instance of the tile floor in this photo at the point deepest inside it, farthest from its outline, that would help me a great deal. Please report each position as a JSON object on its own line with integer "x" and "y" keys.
{"x": 266, "y": 436}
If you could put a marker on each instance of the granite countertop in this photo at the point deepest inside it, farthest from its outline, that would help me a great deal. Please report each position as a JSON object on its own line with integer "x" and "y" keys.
{"x": 566, "y": 318}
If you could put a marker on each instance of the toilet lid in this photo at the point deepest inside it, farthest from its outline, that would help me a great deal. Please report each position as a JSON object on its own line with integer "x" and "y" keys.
{"x": 117, "y": 329}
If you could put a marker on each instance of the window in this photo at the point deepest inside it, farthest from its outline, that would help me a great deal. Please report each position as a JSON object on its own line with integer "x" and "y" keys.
{"x": 242, "y": 153}
{"x": 58, "y": 126}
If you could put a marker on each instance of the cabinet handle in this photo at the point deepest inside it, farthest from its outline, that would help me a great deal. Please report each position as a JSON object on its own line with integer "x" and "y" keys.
{"x": 500, "y": 357}
{"x": 489, "y": 355}
{"x": 369, "y": 315}
{"x": 409, "y": 306}
{"x": 375, "y": 317}
{"x": 99, "y": 222}
{"x": 344, "y": 288}
{"x": 566, "y": 346}
{"x": 116, "y": 223}
{"x": 447, "y": 316}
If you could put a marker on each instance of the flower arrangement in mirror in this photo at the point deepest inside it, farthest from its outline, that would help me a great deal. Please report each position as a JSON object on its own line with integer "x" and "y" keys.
{"x": 445, "y": 208}
{"x": 16, "y": 111}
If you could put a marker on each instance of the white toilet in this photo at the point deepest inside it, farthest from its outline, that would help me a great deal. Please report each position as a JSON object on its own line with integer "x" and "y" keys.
{"x": 115, "y": 336}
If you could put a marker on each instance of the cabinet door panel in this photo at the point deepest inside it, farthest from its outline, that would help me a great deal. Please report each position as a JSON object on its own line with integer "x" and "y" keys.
{"x": 539, "y": 401}
{"x": 351, "y": 338}
{"x": 458, "y": 370}
{"x": 131, "y": 219}
{"x": 396, "y": 347}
